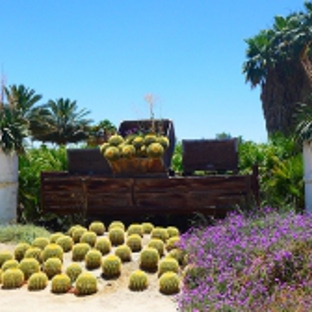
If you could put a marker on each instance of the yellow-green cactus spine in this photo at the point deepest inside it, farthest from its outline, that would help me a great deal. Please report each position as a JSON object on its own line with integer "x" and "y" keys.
{"x": 12, "y": 278}
{"x": 40, "y": 242}
{"x": 138, "y": 280}
{"x": 73, "y": 271}
{"x": 158, "y": 244}
{"x": 66, "y": 242}
{"x": 19, "y": 251}
{"x": 116, "y": 236}
{"x": 147, "y": 227}
{"x": 88, "y": 237}
{"x": 169, "y": 283}
{"x": 52, "y": 267}
{"x": 33, "y": 252}
{"x": 86, "y": 284}
{"x": 79, "y": 251}
{"x": 60, "y": 284}
{"x": 124, "y": 253}
{"x": 29, "y": 266}
{"x": 135, "y": 229}
{"x": 114, "y": 224}
{"x": 104, "y": 245}
{"x": 111, "y": 266}
{"x": 52, "y": 250}
{"x": 97, "y": 227}
{"x": 4, "y": 256}
{"x": 172, "y": 243}
{"x": 168, "y": 264}
{"x": 37, "y": 281}
{"x": 134, "y": 241}
{"x": 160, "y": 232}
{"x": 149, "y": 258}
{"x": 9, "y": 264}
{"x": 93, "y": 259}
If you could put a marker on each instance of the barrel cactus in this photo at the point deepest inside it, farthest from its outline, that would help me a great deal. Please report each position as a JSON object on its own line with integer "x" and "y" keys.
{"x": 79, "y": 251}
{"x": 93, "y": 259}
{"x": 135, "y": 229}
{"x": 37, "y": 281}
{"x": 73, "y": 271}
{"x": 1, "y": 276}
{"x": 150, "y": 138}
{"x": 9, "y": 264}
{"x": 134, "y": 241}
{"x": 55, "y": 236}
{"x": 169, "y": 283}
{"x": 116, "y": 236}
{"x": 114, "y": 224}
{"x": 128, "y": 151}
{"x": 138, "y": 141}
{"x": 172, "y": 243}
{"x": 147, "y": 227}
{"x": 4, "y": 256}
{"x": 60, "y": 284}
{"x": 158, "y": 244}
{"x": 124, "y": 253}
{"x": 112, "y": 153}
{"x": 111, "y": 266}
{"x": 40, "y": 242}
{"x": 77, "y": 233}
{"x": 34, "y": 252}
{"x": 104, "y": 245}
{"x": 155, "y": 150}
{"x": 71, "y": 230}
{"x": 172, "y": 231}
{"x": 29, "y": 266}
{"x": 52, "y": 267}
{"x": 115, "y": 140}
{"x": 168, "y": 264}
{"x": 88, "y": 237}
{"x": 164, "y": 141}
{"x": 149, "y": 258}
{"x": 97, "y": 227}
{"x": 86, "y": 284}
{"x": 66, "y": 243}
{"x": 52, "y": 250}
{"x": 160, "y": 232}
{"x": 138, "y": 280}
{"x": 103, "y": 147}
{"x": 178, "y": 254}
{"x": 19, "y": 251}
{"x": 12, "y": 278}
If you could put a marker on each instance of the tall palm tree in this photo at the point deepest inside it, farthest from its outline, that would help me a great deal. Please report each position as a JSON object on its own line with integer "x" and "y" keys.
{"x": 60, "y": 122}
{"x": 275, "y": 62}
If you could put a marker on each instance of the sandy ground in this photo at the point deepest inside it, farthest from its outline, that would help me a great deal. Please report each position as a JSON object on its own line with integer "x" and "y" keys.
{"x": 112, "y": 295}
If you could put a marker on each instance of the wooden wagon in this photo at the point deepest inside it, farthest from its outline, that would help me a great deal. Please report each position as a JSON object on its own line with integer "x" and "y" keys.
{"x": 91, "y": 187}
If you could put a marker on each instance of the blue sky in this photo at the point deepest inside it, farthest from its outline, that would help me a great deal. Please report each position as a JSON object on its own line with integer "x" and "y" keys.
{"x": 107, "y": 55}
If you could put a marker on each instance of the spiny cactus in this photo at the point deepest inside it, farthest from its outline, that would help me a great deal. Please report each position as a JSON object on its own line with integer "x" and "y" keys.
{"x": 155, "y": 150}
{"x": 66, "y": 242}
{"x": 164, "y": 141}
{"x": 116, "y": 236}
{"x": 55, "y": 236}
{"x": 104, "y": 245}
{"x": 124, "y": 253}
{"x": 97, "y": 227}
{"x": 135, "y": 229}
{"x": 134, "y": 241}
{"x": 60, "y": 284}
{"x": 4, "y": 256}
{"x": 115, "y": 139}
{"x": 114, "y": 224}
{"x": 40, "y": 242}
{"x": 29, "y": 266}
{"x": 147, "y": 227}
{"x": 79, "y": 251}
{"x": 172, "y": 243}
{"x": 172, "y": 231}
{"x": 12, "y": 278}
{"x": 168, "y": 264}
{"x": 112, "y": 153}
{"x": 93, "y": 259}
{"x": 52, "y": 267}
{"x": 77, "y": 233}
{"x": 9, "y": 264}
{"x": 19, "y": 251}
{"x": 178, "y": 254}
{"x": 1, "y": 276}
{"x": 86, "y": 284}
{"x": 111, "y": 266}
{"x": 158, "y": 244}
{"x": 73, "y": 228}
{"x": 52, "y": 250}
{"x": 89, "y": 238}
{"x": 138, "y": 280}
{"x": 159, "y": 232}
{"x": 149, "y": 258}
{"x": 73, "y": 271}
{"x": 37, "y": 281}
{"x": 169, "y": 283}
{"x": 33, "y": 252}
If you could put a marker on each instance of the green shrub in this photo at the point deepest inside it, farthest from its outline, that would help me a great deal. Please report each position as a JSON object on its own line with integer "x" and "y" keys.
{"x": 134, "y": 241}
{"x": 124, "y": 253}
{"x": 116, "y": 236}
{"x": 19, "y": 251}
{"x": 97, "y": 227}
{"x": 104, "y": 245}
{"x": 60, "y": 284}
{"x": 79, "y": 251}
{"x": 93, "y": 259}
{"x": 73, "y": 271}
{"x": 169, "y": 283}
{"x": 138, "y": 280}
{"x": 66, "y": 242}
{"x": 29, "y": 266}
{"x": 52, "y": 250}
{"x": 86, "y": 284}
{"x": 149, "y": 258}
{"x": 12, "y": 278}
{"x": 37, "y": 281}
{"x": 111, "y": 266}
{"x": 52, "y": 266}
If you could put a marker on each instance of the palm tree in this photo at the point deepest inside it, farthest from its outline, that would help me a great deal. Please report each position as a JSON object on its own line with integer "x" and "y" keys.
{"x": 277, "y": 61}
{"x": 59, "y": 122}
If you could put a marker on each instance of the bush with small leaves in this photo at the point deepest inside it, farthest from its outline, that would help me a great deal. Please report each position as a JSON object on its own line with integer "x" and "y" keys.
{"x": 29, "y": 266}
{"x": 93, "y": 259}
{"x": 37, "y": 281}
{"x": 104, "y": 245}
{"x": 173, "y": 231}
{"x": 19, "y": 251}
{"x": 169, "y": 283}
{"x": 111, "y": 266}
{"x": 160, "y": 232}
{"x": 147, "y": 227}
{"x": 52, "y": 267}
{"x": 66, "y": 242}
{"x": 135, "y": 229}
{"x": 12, "y": 278}
{"x": 73, "y": 271}
{"x": 178, "y": 254}
{"x": 52, "y": 250}
{"x": 134, "y": 241}
{"x": 79, "y": 251}
{"x": 124, "y": 253}
{"x": 77, "y": 233}
{"x": 149, "y": 258}
{"x": 168, "y": 264}
{"x": 55, "y": 236}
{"x": 4, "y": 256}
{"x": 116, "y": 236}
{"x": 86, "y": 284}
{"x": 116, "y": 224}
{"x": 60, "y": 284}
{"x": 138, "y": 280}
{"x": 158, "y": 244}
{"x": 172, "y": 243}
{"x": 97, "y": 227}
{"x": 89, "y": 238}
{"x": 33, "y": 252}
{"x": 40, "y": 242}
{"x": 9, "y": 264}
